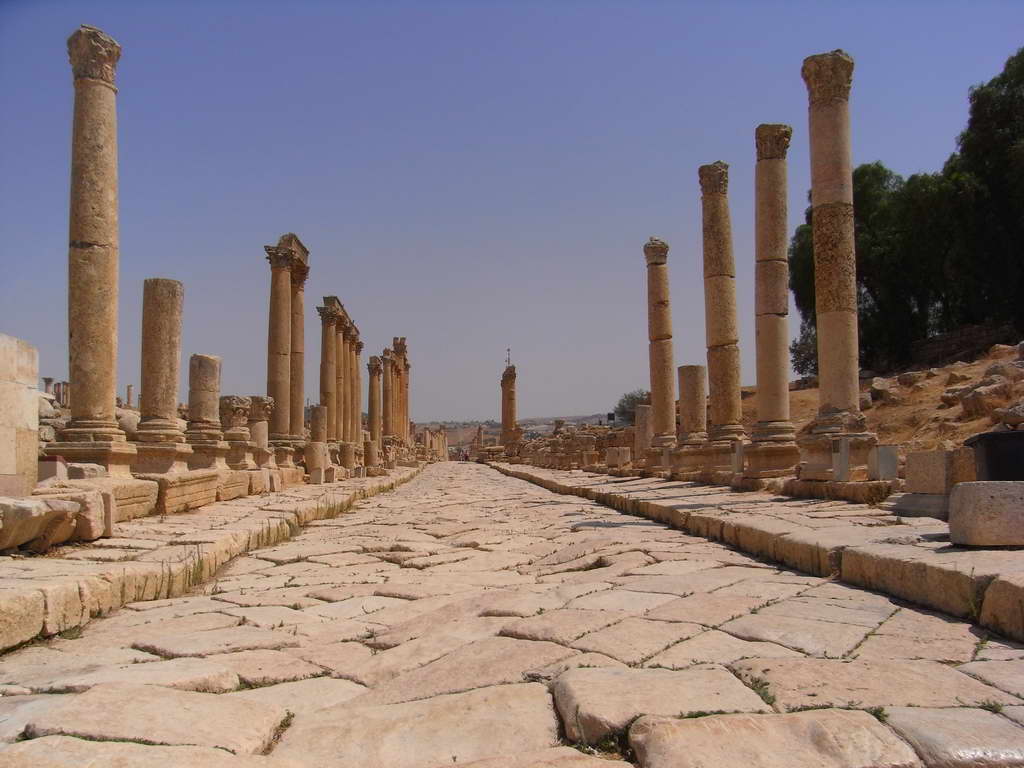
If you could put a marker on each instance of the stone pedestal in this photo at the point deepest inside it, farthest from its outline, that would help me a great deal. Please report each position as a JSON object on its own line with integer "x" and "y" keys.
{"x": 317, "y": 460}
{"x": 720, "y": 323}
{"x": 828, "y": 77}
{"x": 773, "y": 451}
{"x": 348, "y": 455}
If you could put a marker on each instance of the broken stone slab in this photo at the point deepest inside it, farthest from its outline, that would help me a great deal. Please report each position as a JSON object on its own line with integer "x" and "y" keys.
{"x": 214, "y": 641}
{"x": 491, "y": 661}
{"x": 1001, "y": 608}
{"x": 265, "y": 667}
{"x": 22, "y": 612}
{"x": 633, "y": 640}
{"x": 815, "y": 638}
{"x": 97, "y": 511}
{"x": 595, "y": 703}
{"x": 68, "y": 752}
{"x": 302, "y": 697}
{"x": 959, "y": 736}
{"x": 562, "y": 626}
{"x": 987, "y": 513}
{"x": 156, "y": 715}
{"x": 866, "y": 683}
{"x": 17, "y": 710}
{"x": 827, "y": 738}
{"x": 1005, "y": 675}
{"x": 714, "y": 647}
{"x": 457, "y": 728}
{"x": 38, "y": 519}
{"x": 555, "y": 757}
{"x": 186, "y": 674}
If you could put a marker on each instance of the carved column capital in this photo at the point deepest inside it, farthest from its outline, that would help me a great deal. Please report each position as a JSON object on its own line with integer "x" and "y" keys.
{"x": 234, "y": 410}
{"x": 374, "y": 366}
{"x": 772, "y": 141}
{"x": 714, "y": 178}
{"x": 93, "y": 54}
{"x": 828, "y": 76}
{"x": 328, "y": 315}
{"x": 279, "y": 258}
{"x": 260, "y": 408}
{"x": 300, "y": 272}
{"x": 655, "y": 251}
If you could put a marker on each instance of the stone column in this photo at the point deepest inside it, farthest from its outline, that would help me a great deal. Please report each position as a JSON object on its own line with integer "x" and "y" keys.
{"x": 406, "y": 416}
{"x": 48, "y": 385}
{"x": 204, "y": 400}
{"x": 374, "y": 368}
{"x": 160, "y": 441}
{"x": 260, "y": 413}
{"x": 352, "y": 390}
{"x": 508, "y": 405}
{"x": 328, "y": 376}
{"x": 720, "y": 322}
{"x": 340, "y": 358}
{"x": 345, "y": 406}
{"x": 773, "y": 451}
{"x": 129, "y": 396}
{"x": 93, "y": 434}
{"x": 662, "y": 368}
{"x": 387, "y": 394}
{"x": 359, "y": 392}
{"x": 279, "y": 340}
{"x": 297, "y": 382}
{"x": 828, "y": 77}
{"x": 687, "y": 459}
{"x": 317, "y": 463}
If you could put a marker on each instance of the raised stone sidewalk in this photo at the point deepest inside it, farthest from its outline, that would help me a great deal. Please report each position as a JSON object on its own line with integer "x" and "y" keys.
{"x": 160, "y": 557}
{"x": 859, "y": 544}
{"x": 469, "y": 618}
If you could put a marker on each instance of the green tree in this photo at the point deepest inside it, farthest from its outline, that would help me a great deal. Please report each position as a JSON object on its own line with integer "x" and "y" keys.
{"x": 625, "y": 409}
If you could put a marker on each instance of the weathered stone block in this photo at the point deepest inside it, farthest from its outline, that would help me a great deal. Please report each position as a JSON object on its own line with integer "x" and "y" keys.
{"x": 19, "y": 416}
{"x": 987, "y": 514}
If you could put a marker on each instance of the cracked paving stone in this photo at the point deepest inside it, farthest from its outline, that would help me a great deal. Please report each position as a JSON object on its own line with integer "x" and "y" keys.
{"x": 595, "y": 703}
{"x": 562, "y": 626}
{"x": 302, "y": 697}
{"x": 155, "y": 715}
{"x": 633, "y": 640}
{"x": 185, "y": 674}
{"x": 67, "y": 752}
{"x": 827, "y": 738}
{"x": 816, "y": 638}
{"x": 217, "y": 641}
{"x": 959, "y": 738}
{"x": 266, "y": 667}
{"x": 714, "y": 647}
{"x": 457, "y": 728}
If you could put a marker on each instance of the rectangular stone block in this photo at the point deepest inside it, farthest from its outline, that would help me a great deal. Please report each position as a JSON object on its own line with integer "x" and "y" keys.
{"x": 938, "y": 471}
{"x": 19, "y": 416}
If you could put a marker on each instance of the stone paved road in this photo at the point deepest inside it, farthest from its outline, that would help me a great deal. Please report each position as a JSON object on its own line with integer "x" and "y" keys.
{"x": 469, "y": 616}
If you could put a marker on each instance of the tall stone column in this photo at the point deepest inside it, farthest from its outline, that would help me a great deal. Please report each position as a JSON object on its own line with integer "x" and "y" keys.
{"x": 129, "y": 399}
{"x": 93, "y": 434}
{"x": 387, "y": 394}
{"x": 359, "y": 393}
{"x": 340, "y": 379}
{"x": 352, "y": 390}
{"x": 279, "y": 340}
{"x": 345, "y": 406}
{"x": 373, "y": 406}
{"x": 406, "y": 417}
{"x": 161, "y": 441}
{"x": 687, "y": 459}
{"x": 720, "y": 323}
{"x": 828, "y": 77}
{"x": 508, "y": 405}
{"x": 662, "y": 368}
{"x": 297, "y": 383}
{"x": 328, "y": 376}
{"x": 773, "y": 451}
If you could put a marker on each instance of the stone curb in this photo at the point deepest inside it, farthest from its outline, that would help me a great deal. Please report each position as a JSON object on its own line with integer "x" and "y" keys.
{"x": 51, "y": 605}
{"x": 985, "y": 586}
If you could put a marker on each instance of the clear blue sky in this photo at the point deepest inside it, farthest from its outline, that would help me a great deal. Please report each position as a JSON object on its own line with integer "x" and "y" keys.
{"x": 472, "y": 175}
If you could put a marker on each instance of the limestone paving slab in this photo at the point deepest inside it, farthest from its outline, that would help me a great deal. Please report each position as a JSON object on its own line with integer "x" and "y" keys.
{"x": 265, "y": 667}
{"x": 214, "y": 641}
{"x": 827, "y": 738}
{"x": 714, "y": 647}
{"x": 68, "y": 752}
{"x": 633, "y": 640}
{"x": 595, "y": 703}
{"x": 458, "y": 728}
{"x": 155, "y": 715}
{"x": 959, "y": 738}
{"x": 562, "y": 626}
{"x": 860, "y": 683}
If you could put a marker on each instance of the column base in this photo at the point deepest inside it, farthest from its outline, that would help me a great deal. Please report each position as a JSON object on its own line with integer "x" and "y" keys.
{"x": 212, "y": 455}
{"x": 116, "y": 456}
{"x": 284, "y": 455}
{"x": 240, "y": 455}
{"x": 348, "y": 455}
{"x": 183, "y": 491}
{"x": 687, "y": 462}
{"x": 770, "y": 459}
{"x": 839, "y": 456}
{"x": 161, "y": 458}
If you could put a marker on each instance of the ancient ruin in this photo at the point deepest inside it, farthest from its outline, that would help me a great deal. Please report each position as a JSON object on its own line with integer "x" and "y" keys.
{"x": 683, "y": 582}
